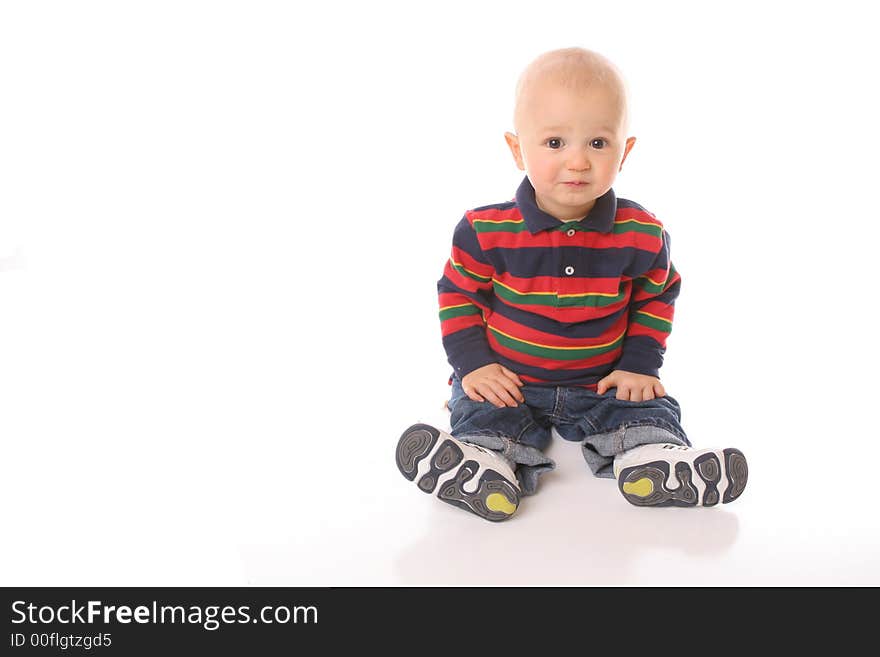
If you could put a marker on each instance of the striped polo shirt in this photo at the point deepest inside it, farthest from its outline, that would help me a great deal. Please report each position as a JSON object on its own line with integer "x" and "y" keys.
{"x": 559, "y": 303}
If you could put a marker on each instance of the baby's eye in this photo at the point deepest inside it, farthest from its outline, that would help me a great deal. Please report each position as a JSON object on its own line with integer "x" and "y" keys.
{"x": 554, "y": 143}
{"x": 598, "y": 143}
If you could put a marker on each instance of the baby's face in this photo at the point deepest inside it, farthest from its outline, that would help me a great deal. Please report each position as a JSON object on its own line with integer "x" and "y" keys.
{"x": 571, "y": 144}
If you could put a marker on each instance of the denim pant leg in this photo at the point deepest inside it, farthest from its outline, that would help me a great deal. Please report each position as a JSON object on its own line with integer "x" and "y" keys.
{"x": 607, "y": 426}
{"x": 513, "y": 432}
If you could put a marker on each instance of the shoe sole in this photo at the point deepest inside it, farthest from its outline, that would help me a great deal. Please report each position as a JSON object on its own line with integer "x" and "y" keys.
{"x": 645, "y": 484}
{"x": 494, "y": 499}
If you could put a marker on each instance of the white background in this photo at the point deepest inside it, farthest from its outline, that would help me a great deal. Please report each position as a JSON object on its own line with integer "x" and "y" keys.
{"x": 221, "y": 227}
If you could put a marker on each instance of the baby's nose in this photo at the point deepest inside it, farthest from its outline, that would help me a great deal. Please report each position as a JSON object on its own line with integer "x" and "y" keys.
{"x": 579, "y": 161}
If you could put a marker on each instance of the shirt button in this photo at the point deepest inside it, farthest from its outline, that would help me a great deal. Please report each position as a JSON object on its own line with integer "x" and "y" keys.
{"x": 569, "y": 270}
{"x": 570, "y": 232}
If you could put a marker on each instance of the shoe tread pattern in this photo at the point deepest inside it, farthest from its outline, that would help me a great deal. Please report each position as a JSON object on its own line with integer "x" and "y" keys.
{"x": 447, "y": 456}
{"x": 657, "y": 472}
{"x": 737, "y": 473}
{"x": 709, "y": 468}
{"x": 491, "y": 482}
{"x": 414, "y": 445}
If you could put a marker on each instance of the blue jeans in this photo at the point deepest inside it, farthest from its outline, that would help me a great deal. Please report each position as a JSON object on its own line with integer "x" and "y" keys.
{"x": 604, "y": 426}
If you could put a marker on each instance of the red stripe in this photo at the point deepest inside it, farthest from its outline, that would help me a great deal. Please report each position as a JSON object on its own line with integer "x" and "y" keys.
{"x": 455, "y": 324}
{"x": 464, "y": 258}
{"x": 581, "y": 239}
{"x": 494, "y": 214}
{"x": 462, "y": 281}
{"x": 447, "y": 299}
{"x": 656, "y": 274}
{"x": 531, "y": 379}
{"x": 659, "y": 309}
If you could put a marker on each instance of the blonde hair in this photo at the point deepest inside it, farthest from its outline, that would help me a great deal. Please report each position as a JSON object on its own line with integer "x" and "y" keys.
{"x": 572, "y": 68}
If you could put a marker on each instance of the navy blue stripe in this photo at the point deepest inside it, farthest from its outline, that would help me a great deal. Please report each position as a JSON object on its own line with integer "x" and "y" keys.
{"x": 465, "y": 238}
{"x": 623, "y": 203}
{"x": 595, "y": 263}
{"x": 557, "y": 377}
{"x": 592, "y": 328}
{"x": 496, "y": 206}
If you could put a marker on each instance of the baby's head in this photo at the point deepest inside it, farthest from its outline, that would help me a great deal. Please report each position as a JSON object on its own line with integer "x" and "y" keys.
{"x": 570, "y": 118}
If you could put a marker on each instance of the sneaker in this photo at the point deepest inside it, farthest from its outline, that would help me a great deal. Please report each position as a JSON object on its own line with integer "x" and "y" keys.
{"x": 465, "y": 475}
{"x": 663, "y": 475}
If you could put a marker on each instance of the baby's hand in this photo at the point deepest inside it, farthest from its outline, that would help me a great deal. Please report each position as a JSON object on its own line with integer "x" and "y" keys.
{"x": 493, "y": 383}
{"x": 632, "y": 386}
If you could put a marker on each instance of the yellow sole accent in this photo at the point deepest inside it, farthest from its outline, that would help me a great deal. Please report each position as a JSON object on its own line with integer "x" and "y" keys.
{"x": 641, "y": 488}
{"x": 497, "y": 502}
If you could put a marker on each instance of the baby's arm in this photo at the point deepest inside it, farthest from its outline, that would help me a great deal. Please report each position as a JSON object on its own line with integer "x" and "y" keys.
{"x": 650, "y": 322}
{"x": 465, "y": 293}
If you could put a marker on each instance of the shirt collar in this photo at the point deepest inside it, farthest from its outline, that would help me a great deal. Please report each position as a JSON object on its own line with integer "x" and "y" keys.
{"x": 600, "y": 218}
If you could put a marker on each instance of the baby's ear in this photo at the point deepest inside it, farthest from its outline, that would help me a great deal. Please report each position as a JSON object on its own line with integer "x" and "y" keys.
{"x": 630, "y": 142}
{"x": 516, "y": 151}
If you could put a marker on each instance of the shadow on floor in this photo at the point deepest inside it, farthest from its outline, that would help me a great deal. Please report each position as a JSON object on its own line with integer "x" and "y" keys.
{"x": 577, "y": 530}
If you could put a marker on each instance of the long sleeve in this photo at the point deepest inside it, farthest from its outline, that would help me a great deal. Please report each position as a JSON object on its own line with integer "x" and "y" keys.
{"x": 465, "y": 291}
{"x": 650, "y": 315}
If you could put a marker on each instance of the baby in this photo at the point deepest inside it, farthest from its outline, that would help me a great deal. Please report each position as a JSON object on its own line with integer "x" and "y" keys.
{"x": 554, "y": 309}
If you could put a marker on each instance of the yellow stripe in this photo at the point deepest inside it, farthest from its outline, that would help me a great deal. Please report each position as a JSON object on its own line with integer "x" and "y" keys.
{"x": 553, "y": 346}
{"x": 656, "y": 282}
{"x": 662, "y": 319}
{"x": 584, "y": 294}
{"x": 461, "y": 305}
{"x": 636, "y": 221}
{"x": 499, "y": 221}
{"x": 458, "y": 264}
{"x": 495, "y": 280}
{"x": 590, "y": 294}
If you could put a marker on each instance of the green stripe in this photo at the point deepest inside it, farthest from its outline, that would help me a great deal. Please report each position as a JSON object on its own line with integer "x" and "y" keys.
{"x": 658, "y": 324}
{"x": 654, "y": 288}
{"x": 554, "y": 353}
{"x": 460, "y": 311}
{"x": 591, "y": 300}
{"x": 579, "y": 301}
{"x": 464, "y": 272}
{"x": 648, "y": 286}
{"x": 635, "y": 227}
{"x": 533, "y": 299}
{"x": 499, "y": 226}
{"x": 520, "y": 226}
